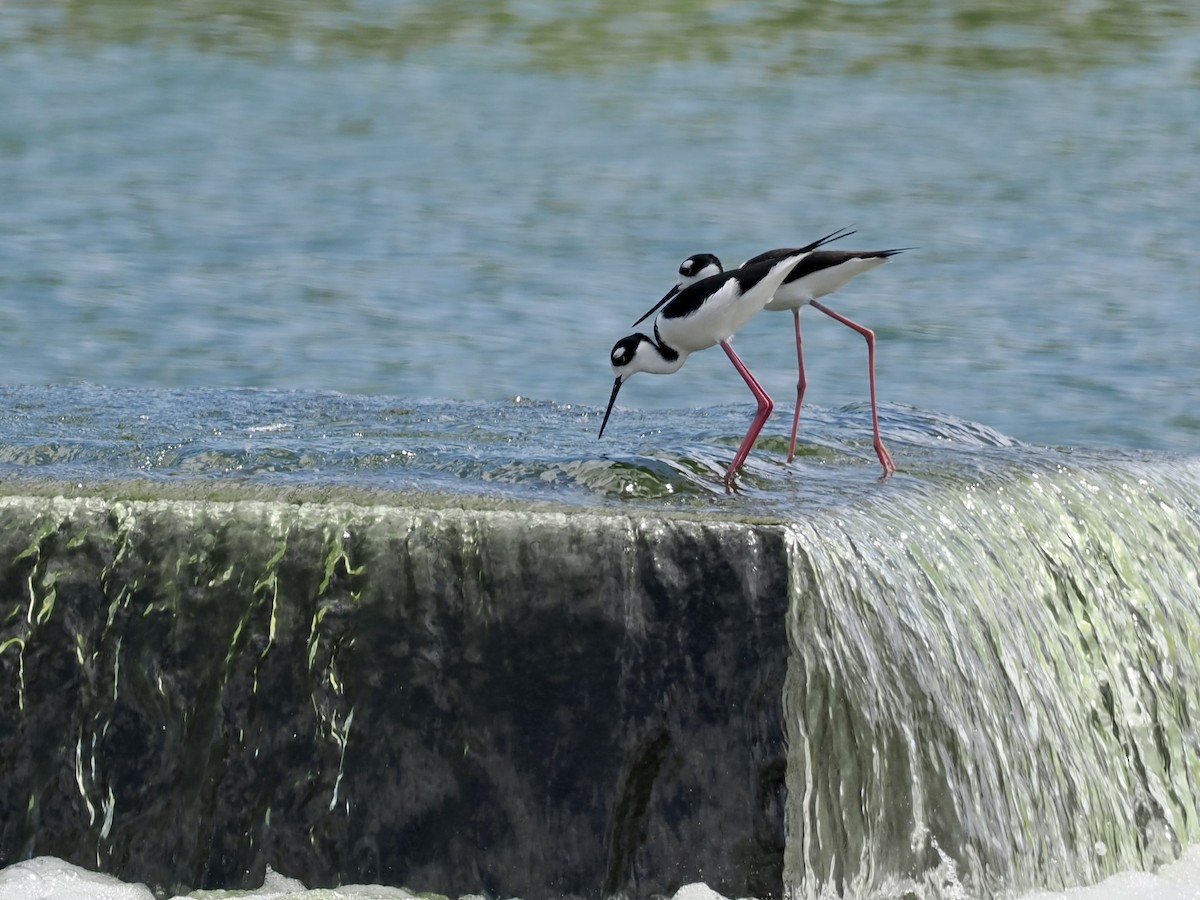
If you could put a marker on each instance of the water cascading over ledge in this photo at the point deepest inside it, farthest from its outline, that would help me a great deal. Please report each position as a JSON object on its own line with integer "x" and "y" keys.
{"x": 991, "y": 680}
{"x": 511, "y": 702}
{"x": 996, "y": 684}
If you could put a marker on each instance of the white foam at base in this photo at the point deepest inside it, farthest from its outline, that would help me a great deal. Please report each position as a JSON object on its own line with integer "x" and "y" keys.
{"x": 1179, "y": 880}
{"x": 279, "y": 887}
{"x": 697, "y": 891}
{"x": 49, "y": 878}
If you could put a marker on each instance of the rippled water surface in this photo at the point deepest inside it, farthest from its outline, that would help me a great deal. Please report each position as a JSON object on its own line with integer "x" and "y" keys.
{"x": 363, "y": 249}
{"x": 222, "y": 443}
{"x": 471, "y": 202}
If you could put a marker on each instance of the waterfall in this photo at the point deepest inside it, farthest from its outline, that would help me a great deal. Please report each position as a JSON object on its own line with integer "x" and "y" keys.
{"x": 979, "y": 682}
{"x": 523, "y": 702}
{"x": 995, "y": 679}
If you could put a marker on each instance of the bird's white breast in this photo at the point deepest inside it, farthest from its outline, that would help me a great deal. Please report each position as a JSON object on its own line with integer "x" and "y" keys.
{"x": 723, "y": 313}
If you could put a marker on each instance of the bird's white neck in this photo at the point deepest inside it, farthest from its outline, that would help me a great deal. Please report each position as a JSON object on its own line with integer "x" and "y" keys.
{"x": 641, "y": 353}
{"x": 661, "y": 359}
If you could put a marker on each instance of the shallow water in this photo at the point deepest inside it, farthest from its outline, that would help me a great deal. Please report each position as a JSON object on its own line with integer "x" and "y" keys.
{"x": 231, "y": 443}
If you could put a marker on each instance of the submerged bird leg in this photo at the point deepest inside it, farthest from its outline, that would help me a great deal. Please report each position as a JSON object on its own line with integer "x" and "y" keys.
{"x": 885, "y": 458}
{"x": 801, "y": 384}
{"x": 765, "y": 406}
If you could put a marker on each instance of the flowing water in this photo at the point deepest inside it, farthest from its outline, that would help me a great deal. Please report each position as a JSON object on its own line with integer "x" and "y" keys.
{"x": 1025, "y": 693}
{"x": 993, "y": 652}
{"x": 375, "y": 254}
{"x": 511, "y": 450}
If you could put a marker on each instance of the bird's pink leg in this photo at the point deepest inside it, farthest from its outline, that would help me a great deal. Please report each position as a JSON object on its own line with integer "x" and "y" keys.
{"x": 765, "y": 406}
{"x": 801, "y": 384}
{"x": 885, "y": 458}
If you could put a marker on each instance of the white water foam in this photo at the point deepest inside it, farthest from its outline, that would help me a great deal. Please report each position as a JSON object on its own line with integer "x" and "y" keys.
{"x": 1179, "y": 880}
{"x": 48, "y": 878}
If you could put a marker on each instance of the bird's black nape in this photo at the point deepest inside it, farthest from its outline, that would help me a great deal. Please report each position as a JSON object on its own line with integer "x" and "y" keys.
{"x": 698, "y": 261}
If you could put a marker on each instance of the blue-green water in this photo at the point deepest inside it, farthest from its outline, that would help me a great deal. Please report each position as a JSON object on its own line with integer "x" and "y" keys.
{"x": 231, "y": 443}
{"x": 383, "y": 249}
{"x": 472, "y": 202}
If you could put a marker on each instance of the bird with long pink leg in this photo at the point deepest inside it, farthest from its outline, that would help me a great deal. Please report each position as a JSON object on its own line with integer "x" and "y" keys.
{"x": 820, "y": 273}
{"x": 704, "y": 313}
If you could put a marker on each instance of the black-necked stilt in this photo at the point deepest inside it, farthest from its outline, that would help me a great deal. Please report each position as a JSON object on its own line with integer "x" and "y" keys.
{"x": 699, "y": 315}
{"x": 819, "y": 273}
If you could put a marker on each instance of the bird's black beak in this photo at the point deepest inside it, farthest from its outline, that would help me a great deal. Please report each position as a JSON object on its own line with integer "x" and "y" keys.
{"x": 611, "y": 401}
{"x": 659, "y": 305}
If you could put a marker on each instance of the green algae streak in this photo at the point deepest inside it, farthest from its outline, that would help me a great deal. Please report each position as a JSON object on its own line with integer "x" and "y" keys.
{"x": 605, "y": 34}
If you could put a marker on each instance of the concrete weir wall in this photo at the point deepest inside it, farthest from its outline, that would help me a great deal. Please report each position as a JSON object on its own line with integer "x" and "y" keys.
{"x": 511, "y": 702}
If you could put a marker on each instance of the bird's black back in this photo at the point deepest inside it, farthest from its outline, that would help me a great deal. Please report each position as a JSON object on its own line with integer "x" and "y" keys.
{"x": 821, "y": 259}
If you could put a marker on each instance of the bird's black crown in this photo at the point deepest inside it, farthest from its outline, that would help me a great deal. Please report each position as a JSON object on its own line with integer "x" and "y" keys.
{"x": 624, "y": 350}
{"x": 695, "y": 263}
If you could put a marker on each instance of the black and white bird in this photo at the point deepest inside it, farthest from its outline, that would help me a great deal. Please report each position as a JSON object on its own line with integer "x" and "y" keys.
{"x": 700, "y": 314}
{"x": 820, "y": 273}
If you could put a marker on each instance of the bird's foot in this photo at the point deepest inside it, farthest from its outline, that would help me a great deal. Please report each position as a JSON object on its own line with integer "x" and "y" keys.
{"x": 885, "y": 460}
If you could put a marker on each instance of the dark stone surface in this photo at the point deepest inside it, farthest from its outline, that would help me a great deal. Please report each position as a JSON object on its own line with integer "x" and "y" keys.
{"x": 533, "y": 704}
